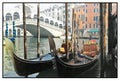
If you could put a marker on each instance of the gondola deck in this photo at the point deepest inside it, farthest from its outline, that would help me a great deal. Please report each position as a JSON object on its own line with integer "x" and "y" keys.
{"x": 78, "y": 60}
{"x": 70, "y": 68}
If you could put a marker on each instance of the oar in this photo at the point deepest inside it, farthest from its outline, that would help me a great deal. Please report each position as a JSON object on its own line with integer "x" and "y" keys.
{"x": 52, "y": 44}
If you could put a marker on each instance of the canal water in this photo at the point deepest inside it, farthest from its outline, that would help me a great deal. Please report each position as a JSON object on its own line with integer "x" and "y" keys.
{"x": 8, "y": 69}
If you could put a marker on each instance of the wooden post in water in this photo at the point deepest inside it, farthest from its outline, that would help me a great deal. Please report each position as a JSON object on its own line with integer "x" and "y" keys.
{"x": 66, "y": 29}
{"x": 78, "y": 31}
{"x": 72, "y": 30}
{"x": 101, "y": 39}
{"x": 38, "y": 31}
{"x": 105, "y": 33}
{"x": 25, "y": 39}
{"x": 110, "y": 29}
{"x": 103, "y": 24}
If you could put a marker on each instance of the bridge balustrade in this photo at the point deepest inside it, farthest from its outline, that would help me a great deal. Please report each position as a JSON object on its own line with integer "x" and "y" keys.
{"x": 34, "y": 21}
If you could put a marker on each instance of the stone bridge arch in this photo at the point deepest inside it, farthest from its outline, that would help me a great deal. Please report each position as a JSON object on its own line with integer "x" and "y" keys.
{"x": 33, "y": 30}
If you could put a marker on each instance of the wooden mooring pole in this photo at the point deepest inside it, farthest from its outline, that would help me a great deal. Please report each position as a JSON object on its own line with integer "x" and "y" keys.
{"x": 66, "y": 29}
{"x": 24, "y": 26}
{"x": 38, "y": 31}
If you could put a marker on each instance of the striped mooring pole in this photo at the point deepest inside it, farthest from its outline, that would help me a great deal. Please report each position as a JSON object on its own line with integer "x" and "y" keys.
{"x": 14, "y": 31}
{"x": 6, "y": 31}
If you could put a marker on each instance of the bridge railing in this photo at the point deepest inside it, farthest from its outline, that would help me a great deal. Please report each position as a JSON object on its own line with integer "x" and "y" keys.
{"x": 51, "y": 26}
{"x": 34, "y": 21}
{"x": 43, "y": 24}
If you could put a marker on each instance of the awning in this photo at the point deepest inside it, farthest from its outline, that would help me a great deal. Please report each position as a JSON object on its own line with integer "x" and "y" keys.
{"x": 94, "y": 30}
{"x": 81, "y": 30}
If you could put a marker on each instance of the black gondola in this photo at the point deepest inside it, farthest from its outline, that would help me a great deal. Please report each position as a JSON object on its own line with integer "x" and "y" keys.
{"x": 70, "y": 67}
{"x": 66, "y": 69}
{"x": 26, "y": 67}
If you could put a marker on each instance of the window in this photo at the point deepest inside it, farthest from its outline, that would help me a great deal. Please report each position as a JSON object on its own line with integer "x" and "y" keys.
{"x": 86, "y": 25}
{"x": 94, "y": 10}
{"x": 8, "y": 16}
{"x": 68, "y": 15}
{"x": 94, "y": 25}
{"x": 94, "y": 18}
{"x": 68, "y": 21}
{"x": 16, "y": 15}
{"x": 79, "y": 16}
{"x": 41, "y": 19}
{"x": 94, "y": 4}
{"x": 63, "y": 16}
{"x": 52, "y": 9}
{"x": 82, "y": 17}
{"x": 58, "y": 18}
{"x": 10, "y": 32}
{"x": 56, "y": 24}
{"x": 83, "y": 10}
{"x": 46, "y": 20}
{"x": 18, "y": 32}
{"x": 90, "y": 25}
{"x": 86, "y": 11}
{"x": 35, "y": 16}
{"x": 68, "y": 10}
{"x": 63, "y": 22}
{"x": 83, "y": 27}
{"x": 60, "y": 25}
{"x": 76, "y": 10}
{"x": 86, "y": 18}
{"x": 98, "y": 10}
{"x": 51, "y": 22}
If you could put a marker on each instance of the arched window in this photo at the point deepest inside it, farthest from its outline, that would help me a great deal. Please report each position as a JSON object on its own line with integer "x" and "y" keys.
{"x": 16, "y": 15}
{"x": 46, "y": 20}
{"x": 18, "y": 32}
{"x": 10, "y": 32}
{"x": 41, "y": 19}
{"x": 51, "y": 22}
{"x": 60, "y": 25}
{"x": 35, "y": 16}
{"x": 28, "y": 12}
{"x": 56, "y": 24}
{"x": 8, "y": 16}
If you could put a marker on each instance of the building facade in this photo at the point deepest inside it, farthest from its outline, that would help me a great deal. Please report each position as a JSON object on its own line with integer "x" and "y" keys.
{"x": 79, "y": 13}
{"x": 58, "y": 13}
{"x": 114, "y": 8}
{"x": 87, "y": 15}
